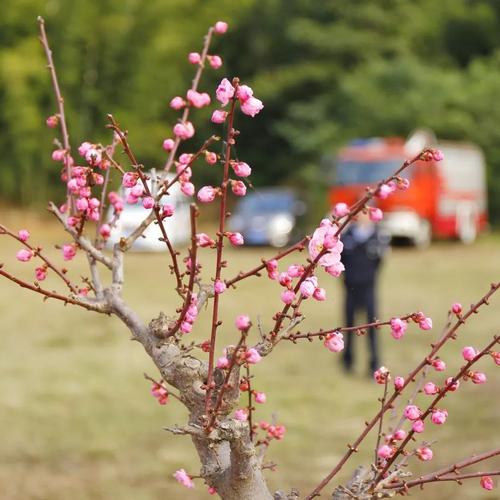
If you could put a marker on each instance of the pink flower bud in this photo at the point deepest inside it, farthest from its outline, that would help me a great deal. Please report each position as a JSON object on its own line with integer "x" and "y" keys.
{"x": 137, "y": 190}
{"x": 418, "y": 426}
{"x": 425, "y": 324}
{"x": 40, "y": 273}
{"x": 403, "y": 184}
{"x": 425, "y": 454}
{"x": 381, "y": 375}
{"x": 487, "y": 483}
{"x": 184, "y": 130}
{"x": 222, "y": 362}
{"x": 478, "y": 378}
{"x": 340, "y": 210}
{"x": 334, "y": 342}
{"x": 412, "y": 412}
{"x": 203, "y": 240}
{"x": 236, "y": 239}
{"x": 384, "y": 191}
{"x": 197, "y": 99}
{"x": 58, "y": 154}
{"x": 252, "y": 356}
{"x": 168, "y": 145}
{"x": 210, "y": 157}
{"x": 84, "y": 147}
{"x": 24, "y": 255}
{"x": 287, "y": 296}
{"x": 69, "y": 251}
{"x": 215, "y": 61}
{"x": 496, "y": 357}
{"x": 260, "y": 397}
{"x": 224, "y": 92}
{"x": 399, "y": 383}
{"x": 430, "y": 388}
{"x": 375, "y": 214}
{"x": 439, "y": 416}
{"x": 220, "y": 27}
{"x": 23, "y": 234}
{"x": 241, "y": 169}
{"x": 469, "y": 353}
{"x": 219, "y": 286}
{"x": 129, "y": 179}
{"x": 239, "y": 188}
{"x": 183, "y": 478}
{"x": 399, "y": 435}
{"x": 319, "y": 294}
{"x": 186, "y": 327}
{"x": 307, "y": 288}
{"x": 207, "y": 194}
{"x": 384, "y": 452}
{"x": 439, "y": 365}
{"x": 242, "y": 322}
{"x": 212, "y": 490}
{"x": 295, "y": 271}
{"x": 52, "y": 121}
{"x": 452, "y": 386}
{"x": 252, "y": 106}
{"x": 456, "y": 308}
{"x": 194, "y": 58}
{"x": 398, "y": 327}
{"x": 437, "y": 155}
{"x": 241, "y": 415}
{"x": 105, "y": 231}
{"x": 148, "y": 202}
{"x": 219, "y": 116}
{"x": 82, "y": 204}
{"x": 244, "y": 92}
{"x": 177, "y": 103}
{"x": 187, "y": 188}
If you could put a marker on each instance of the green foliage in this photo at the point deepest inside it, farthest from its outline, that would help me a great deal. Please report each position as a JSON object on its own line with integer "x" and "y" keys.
{"x": 327, "y": 71}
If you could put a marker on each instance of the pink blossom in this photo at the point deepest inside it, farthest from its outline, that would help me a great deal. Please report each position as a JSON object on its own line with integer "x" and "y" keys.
{"x": 129, "y": 179}
{"x": 148, "y": 202}
{"x": 52, "y": 121}
{"x": 194, "y": 58}
{"x": 307, "y": 288}
{"x": 430, "y": 388}
{"x": 24, "y": 255}
{"x": 425, "y": 454}
{"x": 23, "y": 234}
{"x": 496, "y": 357}
{"x": 236, "y": 239}
{"x": 399, "y": 435}
{"x": 167, "y": 210}
{"x": 242, "y": 322}
{"x": 284, "y": 279}
{"x": 252, "y": 106}
{"x": 486, "y": 482}
{"x": 272, "y": 268}
{"x": 105, "y": 231}
{"x": 319, "y": 294}
{"x": 334, "y": 342}
{"x": 322, "y": 240}
{"x": 439, "y": 416}
{"x": 207, "y": 194}
{"x": 260, "y": 397}
{"x": 287, "y": 296}
{"x": 220, "y": 27}
{"x": 456, "y": 308}
{"x": 212, "y": 490}
{"x": 131, "y": 199}
{"x": 203, "y": 240}
{"x": 241, "y": 415}
{"x": 399, "y": 383}
{"x": 295, "y": 271}
{"x": 478, "y": 378}
{"x": 168, "y": 145}
{"x": 336, "y": 269}
{"x": 412, "y": 412}
{"x": 177, "y": 103}
{"x": 40, "y": 273}
{"x": 184, "y": 130}
{"x": 93, "y": 156}
{"x": 252, "y": 356}
{"x": 381, "y": 375}
{"x": 219, "y": 286}
{"x": 82, "y": 204}
{"x": 58, "y": 154}
{"x": 198, "y": 99}
{"x": 218, "y": 116}
{"x": 425, "y": 324}
{"x": 222, "y": 362}
{"x": 182, "y": 476}
{"x": 452, "y": 386}
{"x": 137, "y": 190}
{"x": 244, "y": 92}
{"x": 469, "y": 353}
{"x": 439, "y": 365}
{"x": 375, "y": 214}
{"x": 341, "y": 210}
{"x": 398, "y": 327}
{"x": 276, "y": 431}
{"x": 384, "y": 451}
{"x": 84, "y": 147}
{"x": 69, "y": 251}
{"x": 224, "y": 92}
{"x": 418, "y": 426}
{"x": 210, "y": 157}
{"x": 437, "y": 155}
{"x": 187, "y": 188}
{"x": 239, "y": 188}
{"x": 384, "y": 191}
{"x": 215, "y": 61}
{"x": 241, "y": 169}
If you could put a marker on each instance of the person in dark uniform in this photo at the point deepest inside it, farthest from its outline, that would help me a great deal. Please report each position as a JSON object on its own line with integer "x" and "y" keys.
{"x": 364, "y": 248}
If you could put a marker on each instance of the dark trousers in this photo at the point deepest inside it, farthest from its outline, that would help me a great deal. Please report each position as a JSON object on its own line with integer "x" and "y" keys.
{"x": 360, "y": 297}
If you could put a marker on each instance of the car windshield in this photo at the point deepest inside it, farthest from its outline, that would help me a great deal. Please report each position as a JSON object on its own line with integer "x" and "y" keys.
{"x": 357, "y": 172}
{"x": 264, "y": 203}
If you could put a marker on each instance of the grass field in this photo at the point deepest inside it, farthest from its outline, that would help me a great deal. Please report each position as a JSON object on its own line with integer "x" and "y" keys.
{"x": 77, "y": 420}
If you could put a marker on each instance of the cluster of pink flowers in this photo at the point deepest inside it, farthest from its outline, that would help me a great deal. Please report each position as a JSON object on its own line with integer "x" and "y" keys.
{"x": 136, "y": 191}
{"x": 191, "y": 314}
{"x": 273, "y": 431}
{"x": 324, "y": 241}
{"x": 249, "y": 104}
{"x": 432, "y": 155}
{"x": 399, "y": 326}
{"x": 160, "y": 393}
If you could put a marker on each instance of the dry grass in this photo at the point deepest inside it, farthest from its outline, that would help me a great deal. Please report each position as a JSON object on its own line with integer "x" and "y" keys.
{"x": 78, "y": 422}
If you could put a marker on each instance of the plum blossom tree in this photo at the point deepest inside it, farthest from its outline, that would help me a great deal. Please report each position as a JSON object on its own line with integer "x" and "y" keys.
{"x": 217, "y": 387}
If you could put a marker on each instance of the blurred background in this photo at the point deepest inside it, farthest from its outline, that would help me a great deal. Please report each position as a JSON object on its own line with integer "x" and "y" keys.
{"x": 76, "y": 417}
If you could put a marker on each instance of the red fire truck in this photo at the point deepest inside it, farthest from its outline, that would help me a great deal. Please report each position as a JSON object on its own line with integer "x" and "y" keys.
{"x": 446, "y": 199}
